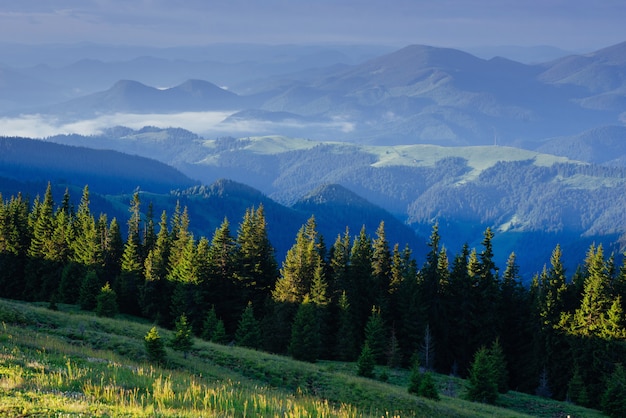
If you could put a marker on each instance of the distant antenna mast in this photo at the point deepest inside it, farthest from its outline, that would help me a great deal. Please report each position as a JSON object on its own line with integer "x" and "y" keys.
{"x": 495, "y": 138}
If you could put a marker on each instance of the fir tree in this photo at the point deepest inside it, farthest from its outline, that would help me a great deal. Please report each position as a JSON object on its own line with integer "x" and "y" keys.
{"x": 366, "y": 362}
{"x": 257, "y": 267}
{"x": 576, "y": 390}
{"x": 614, "y": 398}
{"x": 375, "y": 336}
{"x": 427, "y": 388}
{"x": 182, "y": 339}
{"x": 89, "y": 290}
{"x": 248, "y": 332}
{"x": 106, "y": 302}
{"x": 482, "y": 385}
{"x": 345, "y": 346}
{"x": 210, "y": 324}
{"x": 219, "y": 335}
{"x": 499, "y": 366}
{"x": 305, "y": 333}
{"x": 415, "y": 377}
{"x": 155, "y": 349}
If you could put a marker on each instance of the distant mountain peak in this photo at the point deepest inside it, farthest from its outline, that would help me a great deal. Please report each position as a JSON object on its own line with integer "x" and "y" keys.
{"x": 333, "y": 194}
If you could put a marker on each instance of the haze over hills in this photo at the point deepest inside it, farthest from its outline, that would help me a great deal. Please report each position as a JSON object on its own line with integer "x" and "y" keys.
{"x": 418, "y": 94}
{"x": 424, "y": 133}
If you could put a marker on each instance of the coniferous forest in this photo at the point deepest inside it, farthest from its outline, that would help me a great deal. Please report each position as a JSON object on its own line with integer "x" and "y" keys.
{"x": 357, "y": 297}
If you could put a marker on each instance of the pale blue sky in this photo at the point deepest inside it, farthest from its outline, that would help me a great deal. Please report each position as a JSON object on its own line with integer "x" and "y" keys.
{"x": 569, "y": 24}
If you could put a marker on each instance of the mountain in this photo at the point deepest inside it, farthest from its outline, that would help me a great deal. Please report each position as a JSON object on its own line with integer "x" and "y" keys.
{"x": 418, "y": 94}
{"x": 209, "y": 204}
{"x": 128, "y": 96}
{"x": 27, "y": 165}
{"x": 526, "y": 197}
{"x": 604, "y": 145}
{"x": 105, "y": 171}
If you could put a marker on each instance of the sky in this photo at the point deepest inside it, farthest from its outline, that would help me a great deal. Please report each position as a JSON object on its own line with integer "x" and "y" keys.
{"x": 576, "y": 25}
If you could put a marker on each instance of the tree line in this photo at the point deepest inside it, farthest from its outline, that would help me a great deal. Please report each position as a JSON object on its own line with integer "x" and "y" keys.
{"x": 563, "y": 336}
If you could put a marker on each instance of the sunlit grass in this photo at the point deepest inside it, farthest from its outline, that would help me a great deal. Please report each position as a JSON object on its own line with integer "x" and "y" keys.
{"x": 70, "y": 363}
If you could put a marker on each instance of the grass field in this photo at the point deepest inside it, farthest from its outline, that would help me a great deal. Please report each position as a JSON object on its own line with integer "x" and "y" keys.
{"x": 69, "y": 363}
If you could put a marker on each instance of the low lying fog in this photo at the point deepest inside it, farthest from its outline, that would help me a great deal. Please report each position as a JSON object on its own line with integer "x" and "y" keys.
{"x": 202, "y": 123}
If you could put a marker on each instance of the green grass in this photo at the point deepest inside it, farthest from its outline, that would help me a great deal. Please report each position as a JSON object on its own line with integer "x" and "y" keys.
{"x": 71, "y": 363}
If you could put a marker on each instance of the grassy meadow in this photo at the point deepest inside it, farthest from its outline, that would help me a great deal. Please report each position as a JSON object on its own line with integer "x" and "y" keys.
{"x": 68, "y": 363}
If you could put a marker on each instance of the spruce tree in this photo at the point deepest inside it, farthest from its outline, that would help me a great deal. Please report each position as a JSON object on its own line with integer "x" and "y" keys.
{"x": 182, "y": 339}
{"x": 257, "y": 268}
{"x": 155, "y": 349}
{"x": 613, "y": 400}
{"x": 576, "y": 390}
{"x": 305, "y": 333}
{"x": 106, "y": 302}
{"x": 427, "y": 388}
{"x": 415, "y": 377}
{"x": 345, "y": 345}
{"x": 375, "y": 336}
{"x": 210, "y": 324}
{"x": 248, "y": 332}
{"x": 482, "y": 385}
{"x": 366, "y": 362}
{"x": 89, "y": 290}
{"x": 499, "y": 366}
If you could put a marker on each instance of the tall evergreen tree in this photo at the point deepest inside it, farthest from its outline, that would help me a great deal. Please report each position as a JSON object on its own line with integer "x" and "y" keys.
{"x": 345, "y": 340}
{"x": 376, "y": 336}
{"x": 222, "y": 289}
{"x": 381, "y": 268}
{"x": 248, "y": 332}
{"x": 482, "y": 385}
{"x": 155, "y": 292}
{"x": 42, "y": 263}
{"x": 182, "y": 340}
{"x": 299, "y": 266}
{"x": 257, "y": 268}
{"x": 361, "y": 291}
{"x": 305, "y": 341}
{"x": 14, "y": 243}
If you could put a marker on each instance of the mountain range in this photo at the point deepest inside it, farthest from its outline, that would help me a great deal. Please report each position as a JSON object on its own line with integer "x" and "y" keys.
{"x": 413, "y": 136}
{"x": 418, "y": 94}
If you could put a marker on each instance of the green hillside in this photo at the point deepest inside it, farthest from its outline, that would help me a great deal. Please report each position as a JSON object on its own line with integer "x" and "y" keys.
{"x": 67, "y": 362}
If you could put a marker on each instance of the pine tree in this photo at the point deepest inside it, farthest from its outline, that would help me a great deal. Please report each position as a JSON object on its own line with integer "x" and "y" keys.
{"x": 415, "y": 377}
{"x": 210, "y": 324}
{"x": 366, "y": 362}
{"x": 155, "y": 349}
{"x": 345, "y": 345}
{"x": 248, "y": 332}
{"x": 614, "y": 398}
{"x": 499, "y": 366}
{"x": 182, "y": 339}
{"x": 221, "y": 287}
{"x": 155, "y": 292}
{"x": 106, "y": 302}
{"x": 482, "y": 385}
{"x": 299, "y": 266}
{"x": 381, "y": 268}
{"x": 89, "y": 290}
{"x": 427, "y": 388}
{"x": 257, "y": 267}
{"x": 576, "y": 390}
{"x": 360, "y": 289}
{"x": 305, "y": 333}
{"x": 375, "y": 336}
{"x": 219, "y": 335}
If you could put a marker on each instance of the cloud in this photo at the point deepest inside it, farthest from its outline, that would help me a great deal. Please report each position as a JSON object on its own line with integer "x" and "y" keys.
{"x": 453, "y": 23}
{"x": 202, "y": 123}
